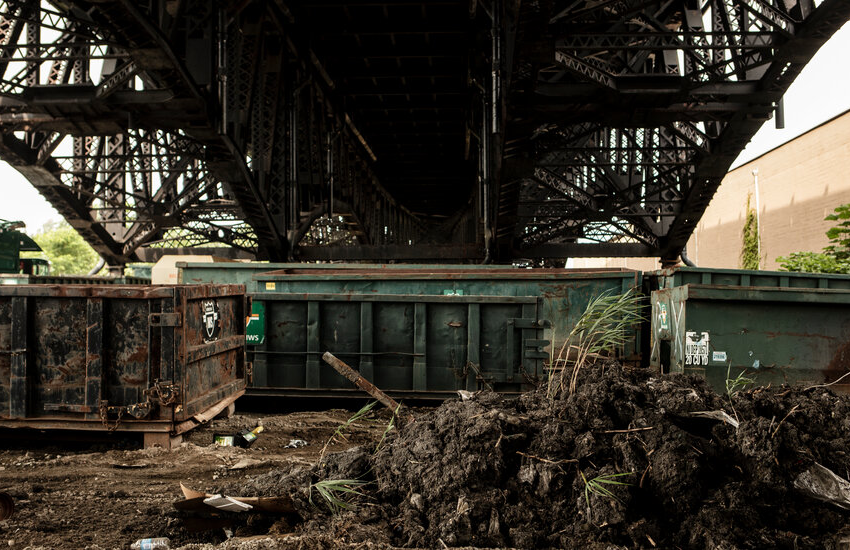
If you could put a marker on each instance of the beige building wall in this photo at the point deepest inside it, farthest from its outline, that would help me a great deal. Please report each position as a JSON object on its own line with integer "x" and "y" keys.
{"x": 799, "y": 184}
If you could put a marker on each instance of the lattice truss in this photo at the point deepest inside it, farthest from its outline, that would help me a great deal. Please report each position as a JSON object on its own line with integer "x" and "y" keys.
{"x": 152, "y": 187}
{"x": 608, "y": 185}
{"x": 312, "y": 165}
{"x": 663, "y": 95}
{"x": 120, "y": 190}
{"x": 203, "y": 130}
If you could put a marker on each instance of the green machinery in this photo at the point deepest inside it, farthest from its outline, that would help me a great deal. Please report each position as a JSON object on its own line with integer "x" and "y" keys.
{"x": 12, "y": 243}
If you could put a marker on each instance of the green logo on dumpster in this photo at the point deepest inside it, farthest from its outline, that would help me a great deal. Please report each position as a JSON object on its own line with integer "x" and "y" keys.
{"x": 255, "y": 324}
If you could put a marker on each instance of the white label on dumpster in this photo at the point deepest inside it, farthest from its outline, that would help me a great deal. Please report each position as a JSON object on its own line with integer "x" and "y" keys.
{"x": 696, "y": 348}
{"x": 270, "y": 286}
{"x": 663, "y": 322}
{"x": 211, "y": 320}
{"x": 718, "y": 356}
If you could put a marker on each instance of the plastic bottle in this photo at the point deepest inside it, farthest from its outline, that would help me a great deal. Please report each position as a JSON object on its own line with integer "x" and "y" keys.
{"x": 246, "y": 438}
{"x": 158, "y": 543}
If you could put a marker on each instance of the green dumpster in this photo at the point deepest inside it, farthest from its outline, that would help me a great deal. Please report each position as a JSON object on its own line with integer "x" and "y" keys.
{"x": 678, "y": 276}
{"x": 422, "y": 331}
{"x": 775, "y": 335}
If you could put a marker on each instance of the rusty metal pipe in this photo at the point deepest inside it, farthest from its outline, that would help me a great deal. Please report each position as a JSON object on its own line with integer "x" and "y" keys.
{"x": 360, "y": 382}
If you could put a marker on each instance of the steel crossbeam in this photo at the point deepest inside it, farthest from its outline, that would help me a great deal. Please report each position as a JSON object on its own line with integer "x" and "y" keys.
{"x": 480, "y": 131}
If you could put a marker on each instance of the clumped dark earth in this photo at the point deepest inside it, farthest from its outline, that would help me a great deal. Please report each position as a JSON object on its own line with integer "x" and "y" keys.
{"x": 621, "y": 463}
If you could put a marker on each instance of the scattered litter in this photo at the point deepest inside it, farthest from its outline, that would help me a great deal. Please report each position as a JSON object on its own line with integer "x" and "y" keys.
{"x": 246, "y": 438}
{"x": 721, "y": 416}
{"x": 224, "y": 440}
{"x": 227, "y": 504}
{"x": 465, "y": 395}
{"x": 245, "y": 463}
{"x": 196, "y": 500}
{"x": 295, "y": 443}
{"x": 158, "y": 543}
{"x": 821, "y": 483}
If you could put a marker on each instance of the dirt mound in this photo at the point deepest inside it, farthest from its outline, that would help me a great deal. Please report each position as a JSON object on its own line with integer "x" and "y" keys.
{"x": 623, "y": 462}
{"x": 630, "y": 460}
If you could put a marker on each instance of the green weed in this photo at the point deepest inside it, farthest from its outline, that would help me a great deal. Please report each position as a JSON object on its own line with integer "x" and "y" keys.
{"x": 335, "y": 492}
{"x": 603, "y": 327}
{"x": 339, "y": 433}
{"x": 597, "y": 486}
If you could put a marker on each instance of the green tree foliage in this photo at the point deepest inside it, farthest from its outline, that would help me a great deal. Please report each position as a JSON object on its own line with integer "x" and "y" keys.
{"x": 750, "y": 245}
{"x": 839, "y": 234}
{"x": 835, "y": 257}
{"x": 68, "y": 253}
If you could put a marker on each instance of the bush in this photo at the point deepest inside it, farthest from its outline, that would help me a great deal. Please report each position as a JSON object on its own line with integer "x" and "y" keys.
{"x": 813, "y": 262}
{"x": 835, "y": 257}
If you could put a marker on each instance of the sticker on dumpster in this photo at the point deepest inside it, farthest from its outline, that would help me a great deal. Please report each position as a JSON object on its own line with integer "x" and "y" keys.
{"x": 270, "y": 286}
{"x": 718, "y": 356}
{"x": 211, "y": 317}
{"x": 696, "y": 348}
{"x": 662, "y": 316}
{"x": 255, "y": 324}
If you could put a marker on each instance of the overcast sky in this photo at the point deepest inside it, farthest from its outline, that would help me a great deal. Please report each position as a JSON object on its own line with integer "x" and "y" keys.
{"x": 821, "y": 92}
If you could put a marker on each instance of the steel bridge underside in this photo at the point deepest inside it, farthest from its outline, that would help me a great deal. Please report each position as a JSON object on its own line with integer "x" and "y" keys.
{"x": 407, "y": 130}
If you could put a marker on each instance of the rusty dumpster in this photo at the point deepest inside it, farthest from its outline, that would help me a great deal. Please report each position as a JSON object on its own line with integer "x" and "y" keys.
{"x": 151, "y": 359}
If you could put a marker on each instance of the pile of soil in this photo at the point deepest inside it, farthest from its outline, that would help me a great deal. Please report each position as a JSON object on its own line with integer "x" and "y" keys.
{"x": 619, "y": 463}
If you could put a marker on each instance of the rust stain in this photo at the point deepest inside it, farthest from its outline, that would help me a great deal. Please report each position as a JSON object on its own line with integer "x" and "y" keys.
{"x": 138, "y": 356}
{"x": 131, "y": 380}
{"x": 840, "y": 362}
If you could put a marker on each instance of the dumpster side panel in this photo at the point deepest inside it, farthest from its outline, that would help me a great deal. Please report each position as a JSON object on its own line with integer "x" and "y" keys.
{"x": 774, "y": 336}
{"x": 447, "y": 344}
{"x": 59, "y": 330}
{"x": 392, "y": 333}
{"x": 402, "y": 343}
{"x": 126, "y": 350}
{"x": 281, "y": 361}
{"x": 5, "y": 355}
{"x": 109, "y": 357}
{"x": 212, "y": 346}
